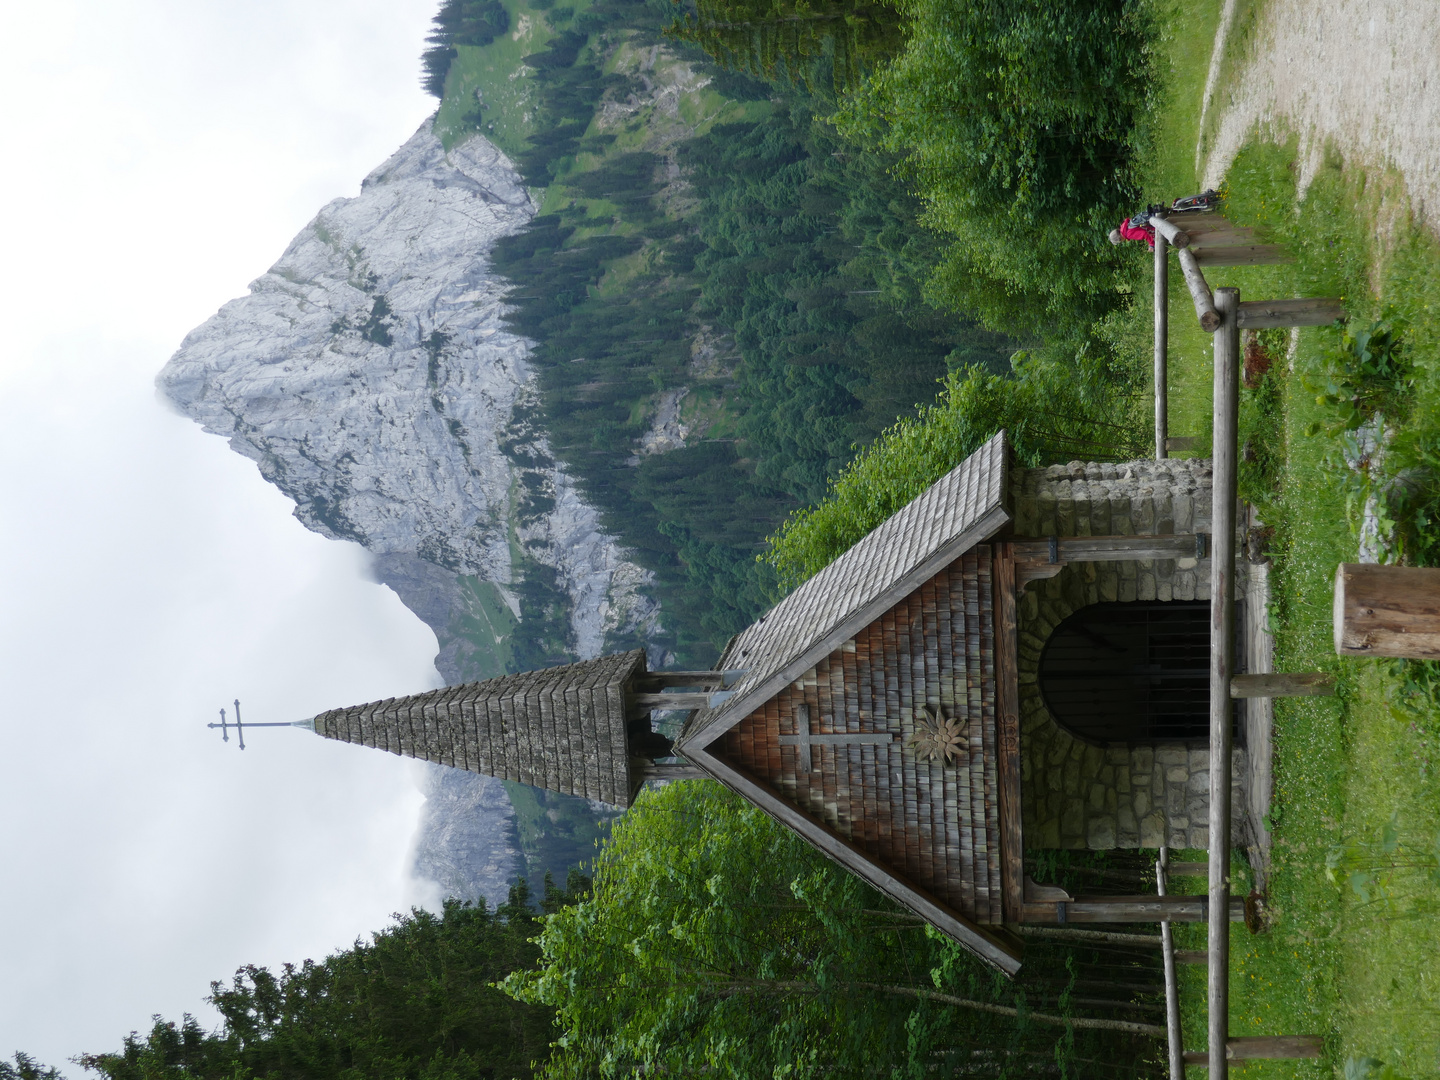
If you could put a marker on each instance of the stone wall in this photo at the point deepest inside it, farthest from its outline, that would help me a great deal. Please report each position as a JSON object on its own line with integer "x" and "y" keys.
{"x": 1077, "y": 795}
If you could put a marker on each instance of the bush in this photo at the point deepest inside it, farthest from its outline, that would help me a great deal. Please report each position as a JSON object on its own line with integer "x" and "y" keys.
{"x": 1050, "y": 415}
{"x": 1019, "y": 123}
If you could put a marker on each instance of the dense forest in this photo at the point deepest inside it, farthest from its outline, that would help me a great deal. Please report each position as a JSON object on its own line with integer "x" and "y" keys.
{"x": 759, "y": 273}
{"x": 784, "y": 283}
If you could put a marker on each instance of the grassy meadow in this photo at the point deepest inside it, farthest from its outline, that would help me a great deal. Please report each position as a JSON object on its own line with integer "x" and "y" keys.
{"x": 1353, "y": 955}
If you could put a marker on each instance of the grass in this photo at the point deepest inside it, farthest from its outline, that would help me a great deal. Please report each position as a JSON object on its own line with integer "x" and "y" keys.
{"x": 496, "y": 73}
{"x": 486, "y": 625}
{"x": 1364, "y": 973}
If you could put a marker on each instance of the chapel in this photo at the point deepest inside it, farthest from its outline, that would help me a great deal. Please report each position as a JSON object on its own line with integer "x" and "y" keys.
{"x": 1016, "y": 659}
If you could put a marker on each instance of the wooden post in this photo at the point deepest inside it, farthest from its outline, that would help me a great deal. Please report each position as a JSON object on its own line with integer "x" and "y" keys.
{"x": 1170, "y": 231}
{"x": 1266, "y": 314}
{"x": 1303, "y": 684}
{"x": 1162, "y": 343}
{"x": 1226, "y": 406}
{"x": 1132, "y": 909}
{"x": 1387, "y": 611}
{"x": 1264, "y": 1048}
{"x": 1172, "y": 984}
{"x": 1199, "y": 292}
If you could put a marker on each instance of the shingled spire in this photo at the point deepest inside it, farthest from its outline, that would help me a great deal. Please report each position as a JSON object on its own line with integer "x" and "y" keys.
{"x": 579, "y": 729}
{"x": 563, "y": 729}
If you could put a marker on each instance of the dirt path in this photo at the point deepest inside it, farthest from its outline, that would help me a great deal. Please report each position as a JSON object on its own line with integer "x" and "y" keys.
{"x": 1355, "y": 73}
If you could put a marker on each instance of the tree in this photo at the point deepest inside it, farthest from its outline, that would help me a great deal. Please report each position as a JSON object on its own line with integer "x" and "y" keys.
{"x": 418, "y": 1002}
{"x": 717, "y": 942}
{"x": 791, "y": 38}
{"x": 1020, "y": 122}
{"x": 26, "y": 1068}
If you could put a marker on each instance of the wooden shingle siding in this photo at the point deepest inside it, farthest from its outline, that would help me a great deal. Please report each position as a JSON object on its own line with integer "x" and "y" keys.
{"x": 961, "y": 509}
{"x": 932, "y": 824}
{"x": 562, "y": 729}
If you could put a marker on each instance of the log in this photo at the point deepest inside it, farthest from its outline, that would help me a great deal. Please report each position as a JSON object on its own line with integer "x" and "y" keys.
{"x": 1170, "y": 231}
{"x": 1243, "y": 255}
{"x": 1387, "y": 611}
{"x": 1162, "y": 345}
{"x": 1266, "y": 314}
{"x": 1224, "y": 457}
{"x": 1299, "y": 684}
{"x": 1181, "y": 442}
{"x": 1265, "y": 1048}
{"x": 1199, "y": 292}
{"x": 1191, "y": 956}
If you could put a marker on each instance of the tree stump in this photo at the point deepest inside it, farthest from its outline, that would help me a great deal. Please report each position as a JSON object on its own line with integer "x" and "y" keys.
{"x": 1387, "y": 611}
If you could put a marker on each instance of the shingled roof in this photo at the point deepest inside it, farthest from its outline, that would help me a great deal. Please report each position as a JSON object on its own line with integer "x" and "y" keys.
{"x": 840, "y": 676}
{"x": 962, "y": 508}
{"x": 563, "y": 729}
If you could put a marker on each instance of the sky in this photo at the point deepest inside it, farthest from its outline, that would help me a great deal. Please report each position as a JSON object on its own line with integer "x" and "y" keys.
{"x": 159, "y": 155}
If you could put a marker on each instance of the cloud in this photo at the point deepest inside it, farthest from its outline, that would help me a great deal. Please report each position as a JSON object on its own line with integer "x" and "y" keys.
{"x": 163, "y": 154}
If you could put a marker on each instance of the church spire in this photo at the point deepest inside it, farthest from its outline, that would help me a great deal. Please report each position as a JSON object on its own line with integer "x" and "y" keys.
{"x": 579, "y": 729}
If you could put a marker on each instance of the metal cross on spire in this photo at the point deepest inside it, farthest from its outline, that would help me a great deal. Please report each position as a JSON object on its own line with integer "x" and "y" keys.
{"x": 239, "y": 726}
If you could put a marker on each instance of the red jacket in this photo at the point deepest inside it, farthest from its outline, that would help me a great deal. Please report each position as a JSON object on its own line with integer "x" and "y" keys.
{"x": 1130, "y": 232}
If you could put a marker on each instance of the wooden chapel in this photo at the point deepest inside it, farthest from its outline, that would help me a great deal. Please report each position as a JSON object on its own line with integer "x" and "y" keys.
{"x": 883, "y": 710}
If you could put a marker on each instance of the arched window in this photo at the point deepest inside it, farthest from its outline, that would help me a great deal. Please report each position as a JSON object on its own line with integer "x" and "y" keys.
{"x": 1128, "y": 673}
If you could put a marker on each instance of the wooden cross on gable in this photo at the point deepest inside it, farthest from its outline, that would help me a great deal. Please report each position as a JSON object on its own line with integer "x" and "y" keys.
{"x": 804, "y": 738}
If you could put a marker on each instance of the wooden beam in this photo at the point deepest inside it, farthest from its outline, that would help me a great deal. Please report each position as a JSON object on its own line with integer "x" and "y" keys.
{"x": 1070, "y": 549}
{"x": 1219, "y": 238}
{"x": 677, "y": 700}
{"x": 1007, "y": 708}
{"x": 1264, "y": 1048}
{"x": 1267, "y": 314}
{"x": 1174, "y": 1045}
{"x": 1127, "y": 909}
{"x": 1199, "y": 292}
{"x": 1301, "y": 684}
{"x": 1387, "y": 611}
{"x": 1181, "y": 442}
{"x": 650, "y": 770}
{"x": 657, "y": 680}
{"x": 1169, "y": 231}
{"x": 1089, "y": 937}
{"x": 1191, "y": 956}
{"x": 1033, "y": 557}
{"x": 1243, "y": 255}
{"x": 1224, "y": 459}
{"x": 1162, "y": 346}
{"x": 1204, "y": 224}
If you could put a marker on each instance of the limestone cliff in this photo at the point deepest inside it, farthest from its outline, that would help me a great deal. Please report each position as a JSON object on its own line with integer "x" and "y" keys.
{"x": 369, "y": 375}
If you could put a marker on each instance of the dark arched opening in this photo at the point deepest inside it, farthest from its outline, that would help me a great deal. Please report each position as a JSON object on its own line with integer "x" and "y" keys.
{"x": 1130, "y": 672}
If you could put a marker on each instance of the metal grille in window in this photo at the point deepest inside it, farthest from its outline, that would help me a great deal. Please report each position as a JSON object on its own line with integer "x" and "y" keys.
{"x": 1130, "y": 673}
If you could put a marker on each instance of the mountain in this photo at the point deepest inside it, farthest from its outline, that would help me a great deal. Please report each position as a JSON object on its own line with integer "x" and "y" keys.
{"x": 369, "y": 376}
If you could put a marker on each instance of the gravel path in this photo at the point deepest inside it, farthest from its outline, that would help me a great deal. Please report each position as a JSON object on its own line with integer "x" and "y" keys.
{"x": 1353, "y": 73}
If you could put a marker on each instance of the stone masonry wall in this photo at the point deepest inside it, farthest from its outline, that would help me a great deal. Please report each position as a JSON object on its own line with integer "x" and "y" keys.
{"x": 1077, "y": 795}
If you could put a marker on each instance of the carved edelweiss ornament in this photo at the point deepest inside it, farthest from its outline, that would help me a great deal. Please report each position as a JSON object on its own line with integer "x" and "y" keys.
{"x": 937, "y": 737}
